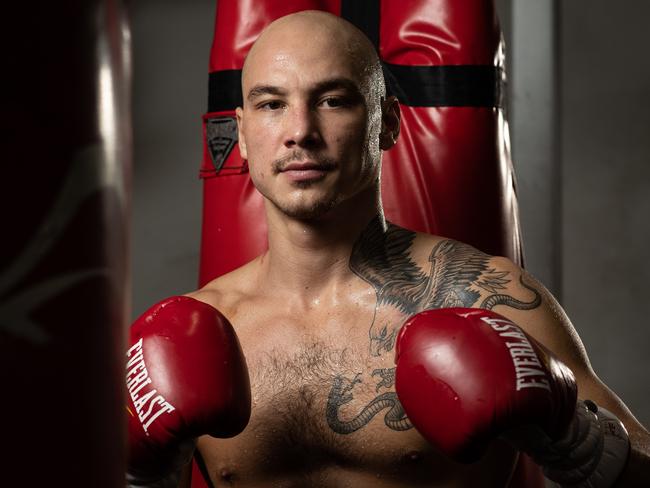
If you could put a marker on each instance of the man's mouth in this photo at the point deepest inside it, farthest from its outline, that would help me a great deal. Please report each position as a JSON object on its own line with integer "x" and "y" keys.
{"x": 302, "y": 171}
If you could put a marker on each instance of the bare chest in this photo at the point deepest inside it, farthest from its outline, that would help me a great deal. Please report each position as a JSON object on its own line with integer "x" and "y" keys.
{"x": 324, "y": 413}
{"x": 322, "y": 387}
{"x": 327, "y": 396}
{"x": 319, "y": 398}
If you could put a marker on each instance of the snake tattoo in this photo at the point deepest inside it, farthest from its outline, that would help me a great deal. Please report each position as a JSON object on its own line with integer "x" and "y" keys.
{"x": 341, "y": 393}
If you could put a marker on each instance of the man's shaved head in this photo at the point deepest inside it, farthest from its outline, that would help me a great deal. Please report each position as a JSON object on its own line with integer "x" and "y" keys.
{"x": 314, "y": 119}
{"x": 317, "y": 27}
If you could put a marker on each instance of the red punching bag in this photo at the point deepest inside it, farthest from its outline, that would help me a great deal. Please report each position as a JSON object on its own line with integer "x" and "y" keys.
{"x": 63, "y": 266}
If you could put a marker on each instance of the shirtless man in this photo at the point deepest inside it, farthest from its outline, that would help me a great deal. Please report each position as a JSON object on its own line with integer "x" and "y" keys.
{"x": 318, "y": 314}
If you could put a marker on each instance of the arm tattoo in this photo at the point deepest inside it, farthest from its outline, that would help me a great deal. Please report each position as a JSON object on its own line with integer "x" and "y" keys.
{"x": 500, "y": 299}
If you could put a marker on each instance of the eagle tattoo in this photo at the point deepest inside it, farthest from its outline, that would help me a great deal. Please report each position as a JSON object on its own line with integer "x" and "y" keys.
{"x": 454, "y": 276}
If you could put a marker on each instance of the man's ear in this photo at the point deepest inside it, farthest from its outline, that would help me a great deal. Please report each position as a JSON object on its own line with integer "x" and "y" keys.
{"x": 241, "y": 140}
{"x": 390, "y": 123}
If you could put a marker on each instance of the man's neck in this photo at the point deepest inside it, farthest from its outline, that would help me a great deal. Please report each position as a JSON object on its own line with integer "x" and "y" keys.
{"x": 305, "y": 257}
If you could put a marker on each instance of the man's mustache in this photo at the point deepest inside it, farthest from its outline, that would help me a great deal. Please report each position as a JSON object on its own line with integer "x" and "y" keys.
{"x": 299, "y": 156}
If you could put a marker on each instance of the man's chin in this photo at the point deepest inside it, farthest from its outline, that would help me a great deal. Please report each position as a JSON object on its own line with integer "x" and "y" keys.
{"x": 308, "y": 212}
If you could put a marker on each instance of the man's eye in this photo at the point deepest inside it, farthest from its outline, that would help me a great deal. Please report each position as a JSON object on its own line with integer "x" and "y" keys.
{"x": 334, "y": 102}
{"x": 271, "y": 105}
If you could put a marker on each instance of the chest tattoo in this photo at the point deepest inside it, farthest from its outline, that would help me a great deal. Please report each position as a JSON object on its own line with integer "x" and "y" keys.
{"x": 456, "y": 275}
{"x": 341, "y": 394}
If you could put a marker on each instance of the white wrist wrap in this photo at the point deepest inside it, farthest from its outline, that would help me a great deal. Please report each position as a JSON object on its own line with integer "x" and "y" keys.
{"x": 593, "y": 452}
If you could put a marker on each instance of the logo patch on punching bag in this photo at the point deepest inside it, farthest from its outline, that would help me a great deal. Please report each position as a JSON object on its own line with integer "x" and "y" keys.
{"x": 221, "y": 136}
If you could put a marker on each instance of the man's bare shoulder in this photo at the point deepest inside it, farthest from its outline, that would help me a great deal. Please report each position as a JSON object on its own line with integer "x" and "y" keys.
{"x": 226, "y": 293}
{"x": 424, "y": 248}
{"x": 452, "y": 273}
{"x": 398, "y": 254}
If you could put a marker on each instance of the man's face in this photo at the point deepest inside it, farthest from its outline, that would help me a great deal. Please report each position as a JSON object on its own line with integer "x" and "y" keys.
{"x": 309, "y": 127}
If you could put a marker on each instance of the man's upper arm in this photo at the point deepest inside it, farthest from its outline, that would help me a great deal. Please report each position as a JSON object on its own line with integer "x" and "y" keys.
{"x": 549, "y": 325}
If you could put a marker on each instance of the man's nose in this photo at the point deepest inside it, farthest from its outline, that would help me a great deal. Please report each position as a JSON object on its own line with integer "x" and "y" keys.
{"x": 303, "y": 128}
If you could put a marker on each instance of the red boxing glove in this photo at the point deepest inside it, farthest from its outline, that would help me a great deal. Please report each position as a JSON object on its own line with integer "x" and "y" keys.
{"x": 186, "y": 376}
{"x": 466, "y": 376}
